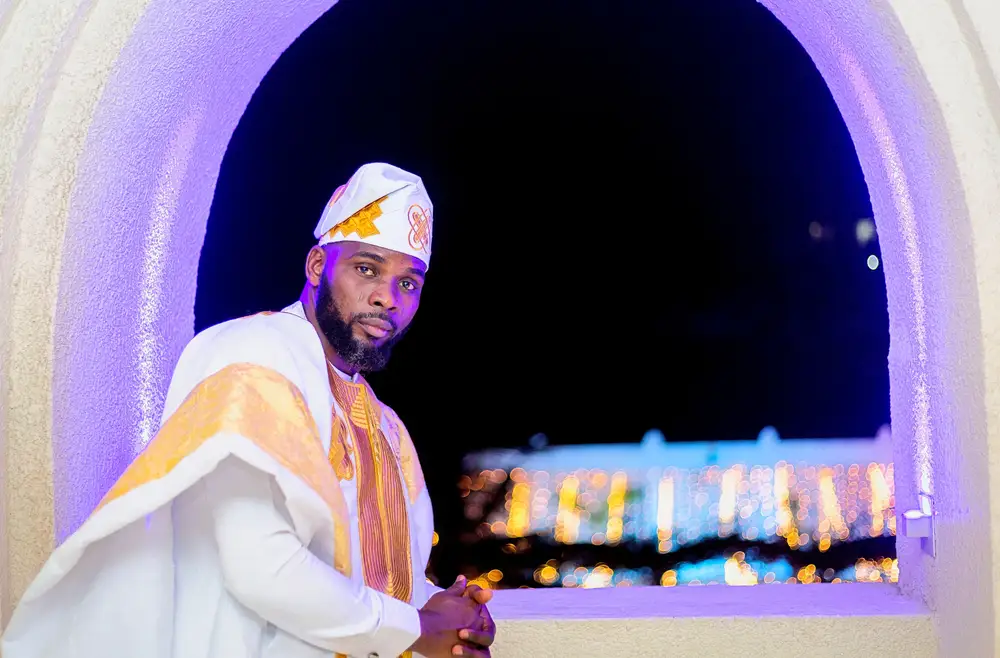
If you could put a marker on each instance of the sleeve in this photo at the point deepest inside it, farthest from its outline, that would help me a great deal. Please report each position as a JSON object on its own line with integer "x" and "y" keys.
{"x": 423, "y": 526}
{"x": 267, "y": 568}
{"x": 422, "y": 510}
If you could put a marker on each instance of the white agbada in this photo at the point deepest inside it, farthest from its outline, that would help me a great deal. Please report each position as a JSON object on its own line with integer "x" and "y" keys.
{"x": 232, "y": 535}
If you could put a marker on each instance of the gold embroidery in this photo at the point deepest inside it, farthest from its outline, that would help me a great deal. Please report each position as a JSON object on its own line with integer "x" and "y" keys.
{"x": 412, "y": 473}
{"x": 420, "y": 228}
{"x": 383, "y": 522}
{"x": 362, "y": 222}
{"x": 262, "y": 406}
{"x": 340, "y": 451}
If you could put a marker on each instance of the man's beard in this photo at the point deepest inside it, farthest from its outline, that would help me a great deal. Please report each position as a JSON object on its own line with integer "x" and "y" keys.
{"x": 359, "y": 354}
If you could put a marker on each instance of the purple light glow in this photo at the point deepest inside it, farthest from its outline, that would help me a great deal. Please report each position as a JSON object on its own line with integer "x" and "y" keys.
{"x": 733, "y": 602}
{"x": 155, "y": 253}
{"x": 907, "y": 222}
{"x": 142, "y": 196}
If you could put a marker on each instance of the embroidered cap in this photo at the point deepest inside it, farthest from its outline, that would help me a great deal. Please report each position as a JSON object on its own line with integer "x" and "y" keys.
{"x": 381, "y": 205}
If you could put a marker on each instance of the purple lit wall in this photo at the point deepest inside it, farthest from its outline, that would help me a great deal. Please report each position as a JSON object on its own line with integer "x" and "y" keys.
{"x": 912, "y": 180}
{"x": 145, "y": 185}
{"x": 137, "y": 224}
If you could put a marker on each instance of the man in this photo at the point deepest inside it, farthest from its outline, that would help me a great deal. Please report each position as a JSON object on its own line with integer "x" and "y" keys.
{"x": 280, "y": 511}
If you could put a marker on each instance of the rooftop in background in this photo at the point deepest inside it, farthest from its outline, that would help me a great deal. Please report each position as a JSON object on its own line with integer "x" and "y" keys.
{"x": 654, "y": 450}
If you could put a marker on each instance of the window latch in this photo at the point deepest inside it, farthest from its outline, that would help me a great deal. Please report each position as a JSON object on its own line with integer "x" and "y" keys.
{"x": 919, "y": 523}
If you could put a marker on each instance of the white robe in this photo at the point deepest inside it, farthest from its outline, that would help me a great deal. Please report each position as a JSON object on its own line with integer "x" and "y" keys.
{"x": 230, "y": 550}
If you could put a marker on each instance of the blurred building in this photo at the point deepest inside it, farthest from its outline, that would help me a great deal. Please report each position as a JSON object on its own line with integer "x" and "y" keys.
{"x": 736, "y": 512}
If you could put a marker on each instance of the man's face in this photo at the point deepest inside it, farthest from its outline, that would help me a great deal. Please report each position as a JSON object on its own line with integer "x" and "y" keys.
{"x": 366, "y": 300}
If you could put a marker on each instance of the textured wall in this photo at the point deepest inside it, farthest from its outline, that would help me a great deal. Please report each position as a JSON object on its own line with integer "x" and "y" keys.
{"x": 917, "y": 91}
{"x": 55, "y": 57}
{"x": 137, "y": 222}
{"x": 114, "y": 118}
{"x": 105, "y": 141}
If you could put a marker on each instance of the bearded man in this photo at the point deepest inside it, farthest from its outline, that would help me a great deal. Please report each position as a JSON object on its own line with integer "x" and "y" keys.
{"x": 280, "y": 511}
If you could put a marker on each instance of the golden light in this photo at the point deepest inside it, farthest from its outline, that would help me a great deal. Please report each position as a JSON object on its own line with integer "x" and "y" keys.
{"x": 807, "y": 574}
{"x": 880, "y": 499}
{"x": 616, "y": 506}
{"x": 808, "y": 506}
{"x": 519, "y": 520}
{"x": 546, "y": 575}
{"x": 738, "y": 572}
{"x": 435, "y": 538}
{"x": 599, "y": 577}
{"x": 786, "y": 524}
{"x": 567, "y": 518}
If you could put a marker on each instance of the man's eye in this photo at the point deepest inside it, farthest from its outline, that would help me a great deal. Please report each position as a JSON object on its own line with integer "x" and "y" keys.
{"x": 364, "y": 270}
{"x": 408, "y": 285}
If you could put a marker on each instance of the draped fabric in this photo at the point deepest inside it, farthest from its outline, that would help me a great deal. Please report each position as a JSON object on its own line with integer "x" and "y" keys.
{"x": 256, "y": 390}
{"x": 258, "y": 404}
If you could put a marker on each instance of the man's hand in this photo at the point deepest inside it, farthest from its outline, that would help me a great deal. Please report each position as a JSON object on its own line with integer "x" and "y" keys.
{"x": 476, "y": 641}
{"x": 443, "y": 616}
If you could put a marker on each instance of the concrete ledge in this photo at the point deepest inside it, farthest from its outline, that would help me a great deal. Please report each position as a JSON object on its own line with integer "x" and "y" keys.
{"x": 775, "y": 620}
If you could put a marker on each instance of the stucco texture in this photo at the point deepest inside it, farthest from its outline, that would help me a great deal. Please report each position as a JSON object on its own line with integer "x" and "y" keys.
{"x": 115, "y": 115}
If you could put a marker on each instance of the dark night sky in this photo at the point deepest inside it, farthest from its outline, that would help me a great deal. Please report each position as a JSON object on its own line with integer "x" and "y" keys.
{"x": 623, "y": 192}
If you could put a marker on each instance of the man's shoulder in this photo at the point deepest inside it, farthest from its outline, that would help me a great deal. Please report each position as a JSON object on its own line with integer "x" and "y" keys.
{"x": 258, "y": 338}
{"x": 391, "y": 415}
{"x": 266, "y": 345}
{"x": 265, "y": 327}
{"x": 389, "y": 411}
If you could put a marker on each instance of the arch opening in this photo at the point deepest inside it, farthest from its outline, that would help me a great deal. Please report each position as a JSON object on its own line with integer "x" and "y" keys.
{"x": 714, "y": 140}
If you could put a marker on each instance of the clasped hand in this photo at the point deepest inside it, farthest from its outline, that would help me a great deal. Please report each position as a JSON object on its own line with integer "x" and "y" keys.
{"x": 455, "y": 622}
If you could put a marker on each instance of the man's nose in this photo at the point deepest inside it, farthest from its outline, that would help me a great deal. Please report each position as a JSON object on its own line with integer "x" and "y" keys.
{"x": 384, "y": 296}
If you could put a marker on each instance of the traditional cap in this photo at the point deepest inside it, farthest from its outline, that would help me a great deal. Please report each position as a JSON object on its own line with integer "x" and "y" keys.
{"x": 381, "y": 205}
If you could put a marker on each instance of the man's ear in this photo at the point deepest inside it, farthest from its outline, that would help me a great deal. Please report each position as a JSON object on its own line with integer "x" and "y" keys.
{"x": 315, "y": 264}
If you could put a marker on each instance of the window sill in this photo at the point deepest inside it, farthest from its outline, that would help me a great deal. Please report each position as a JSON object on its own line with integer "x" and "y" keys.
{"x": 708, "y": 621}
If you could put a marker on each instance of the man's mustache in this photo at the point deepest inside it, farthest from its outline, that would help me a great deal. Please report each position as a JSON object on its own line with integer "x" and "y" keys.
{"x": 384, "y": 317}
